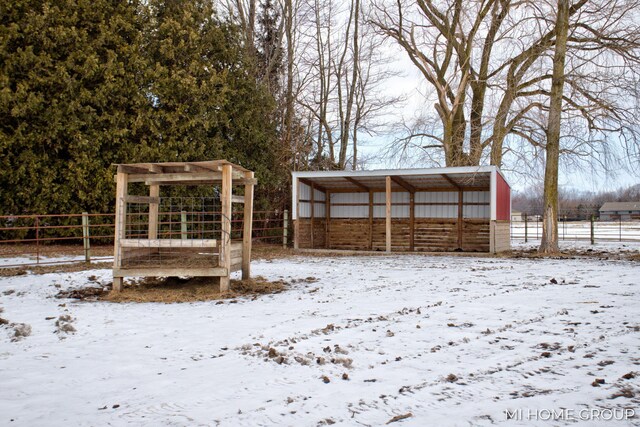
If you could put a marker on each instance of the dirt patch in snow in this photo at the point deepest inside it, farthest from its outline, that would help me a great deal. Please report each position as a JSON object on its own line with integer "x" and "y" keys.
{"x": 175, "y": 289}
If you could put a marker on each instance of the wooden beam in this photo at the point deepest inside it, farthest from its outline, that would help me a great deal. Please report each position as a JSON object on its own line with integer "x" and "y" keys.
{"x": 309, "y": 183}
{"x": 327, "y": 218}
{"x": 247, "y": 228}
{"x": 460, "y": 217}
{"x": 143, "y": 199}
{"x": 296, "y": 221}
{"x": 177, "y": 177}
{"x": 357, "y": 183}
{"x": 200, "y": 182}
{"x": 170, "y": 271}
{"x": 312, "y": 206}
{"x": 404, "y": 184}
{"x": 154, "y": 208}
{"x": 412, "y": 220}
{"x": 388, "y": 214}
{"x": 120, "y": 226}
{"x": 451, "y": 181}
{"x": 168, "y": 243}
{"x": 225, "y": 239}
{"x": 370, "y": 220}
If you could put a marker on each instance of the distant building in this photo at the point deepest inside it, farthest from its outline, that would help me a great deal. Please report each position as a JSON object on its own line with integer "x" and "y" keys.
{"x": 516, "y": 216}
{"x": 623, "y": 211}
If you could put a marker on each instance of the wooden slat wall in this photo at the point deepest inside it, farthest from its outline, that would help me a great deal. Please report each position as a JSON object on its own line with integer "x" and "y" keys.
{"x": 304, "y": 233}
{"x": 430, "y": 234}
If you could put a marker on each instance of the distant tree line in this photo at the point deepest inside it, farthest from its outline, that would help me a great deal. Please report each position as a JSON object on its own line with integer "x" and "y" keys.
{"x": 572, "y": 204}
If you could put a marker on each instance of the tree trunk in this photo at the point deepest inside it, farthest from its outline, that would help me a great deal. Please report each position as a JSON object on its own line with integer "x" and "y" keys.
{"x": 549, "y": 242}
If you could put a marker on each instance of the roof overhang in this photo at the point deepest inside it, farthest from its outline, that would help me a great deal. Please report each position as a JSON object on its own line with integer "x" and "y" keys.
{"x": 432, "y": 179}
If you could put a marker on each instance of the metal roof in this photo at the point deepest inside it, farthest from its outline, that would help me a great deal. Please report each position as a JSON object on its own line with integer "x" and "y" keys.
{"x": 620, "y": 206}
{"x": 453, "y": 178}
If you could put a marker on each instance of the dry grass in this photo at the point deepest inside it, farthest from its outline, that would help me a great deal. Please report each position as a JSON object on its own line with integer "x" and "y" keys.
{"x": 174, "y": 289}
{"x": 54, "y": 268}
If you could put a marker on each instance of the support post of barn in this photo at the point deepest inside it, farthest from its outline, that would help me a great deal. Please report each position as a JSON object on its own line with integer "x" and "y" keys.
{"x": 296, "y": 221}
{"x": 327, "y": 219}
{"x": 247, "y": 226}
{"x": 312, "y": 206}
{"x": 120, "y": 223}
{"x": 370, "y": 220}
{"x": 412, "y": 220}
{"x": 460, "y": 216}
{"x": 85, "y": 237}
{"x": 388, "y": 213}
{"x": 225, "y": 237}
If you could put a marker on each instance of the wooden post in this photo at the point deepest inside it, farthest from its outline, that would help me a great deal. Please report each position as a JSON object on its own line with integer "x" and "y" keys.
{"x": 388, "y": 214}
{"x": 154, "y": 193}
{"x": 312, "y": 205}
{"x": 296, "y": 221}
{"x": 412, "y": 220}
{"x": 247, "y": 229}
{"x": 460, "y": 217}
{"x": 370, "y": 220}
{"x": 285, "y": 228}
{"x": 593, "y": 237}
{"x": 225, "y": 237}
{"x": 120, "y": 225}
{"x": 85, "y": 237}
{"x": 327, "y": 219}
{"x": 526, "y": 228}
{"x": 183, "y": 225}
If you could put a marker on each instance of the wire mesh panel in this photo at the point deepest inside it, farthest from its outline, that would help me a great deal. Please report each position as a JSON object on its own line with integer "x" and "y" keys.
{"x": 185, "y": 232}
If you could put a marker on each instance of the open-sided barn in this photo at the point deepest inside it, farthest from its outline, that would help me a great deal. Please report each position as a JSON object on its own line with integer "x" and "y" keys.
{"x": 437, "y": 209}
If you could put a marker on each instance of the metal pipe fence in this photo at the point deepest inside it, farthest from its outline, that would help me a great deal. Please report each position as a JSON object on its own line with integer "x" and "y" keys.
{"x": 32, "y": 240}
{"x": 529, "y": 227}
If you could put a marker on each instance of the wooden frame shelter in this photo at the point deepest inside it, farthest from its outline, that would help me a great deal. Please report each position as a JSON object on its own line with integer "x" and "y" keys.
{"x": 437, "y": 209}
{"x": 150, "y": 247}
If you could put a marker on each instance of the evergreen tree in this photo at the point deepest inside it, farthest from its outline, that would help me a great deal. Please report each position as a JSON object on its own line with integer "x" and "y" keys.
{"x": 69, "y": 102}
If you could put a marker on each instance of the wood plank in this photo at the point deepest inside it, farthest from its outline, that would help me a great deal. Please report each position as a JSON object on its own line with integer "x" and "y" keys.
{"x": 370, "y": 220}
{"x": 327, "y": 216}
{"x": 357, "y": 183}
{"x": 142, "y": 199}
{"x": 309, "y": 183}
{"x": 388, "y": 214}
{"x": 169, "y": 271}
{"x": 120, "y": 225}
{"x": 154, "y": 207}
{"x": 247, "y": 228}
{"x": 404, "y": 184}
{"x": 168, "y": 243}
{"x": 412, "y": 220}
{"x": 460, "y": 217}
{"x": 225, "y": 244}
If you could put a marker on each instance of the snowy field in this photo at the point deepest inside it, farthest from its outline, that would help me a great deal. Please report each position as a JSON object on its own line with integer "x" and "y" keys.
{"x": 353, "y": 341}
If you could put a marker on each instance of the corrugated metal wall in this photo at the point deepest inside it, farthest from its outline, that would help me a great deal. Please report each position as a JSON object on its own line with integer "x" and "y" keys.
{"x": 305, "y": 204}
{"x": 503, "y": 199}
{"x": 427, "y": 204}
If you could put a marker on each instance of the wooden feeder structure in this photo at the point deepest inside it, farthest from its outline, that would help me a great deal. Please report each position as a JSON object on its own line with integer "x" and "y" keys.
{"x": 182, "y": 236}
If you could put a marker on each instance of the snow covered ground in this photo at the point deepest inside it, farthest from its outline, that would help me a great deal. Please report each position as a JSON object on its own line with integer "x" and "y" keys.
{"x": 450, "y": 340}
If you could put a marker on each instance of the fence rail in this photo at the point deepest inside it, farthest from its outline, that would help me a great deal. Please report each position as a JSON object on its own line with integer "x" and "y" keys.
{"x": 530, "y": 227}
{"x": 32, "y": 240}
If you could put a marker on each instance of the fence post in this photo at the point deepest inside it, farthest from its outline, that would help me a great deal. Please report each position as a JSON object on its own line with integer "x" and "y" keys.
{"x": 620, "y": 226}
{"x": 37, "y": 239}
{"x": 526, "y": 227}
{"x": 285, "y": 228}
{"x": 183, "y": 225}
{"x": 85, "y": 237}
{"x": 593, "y": 237}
